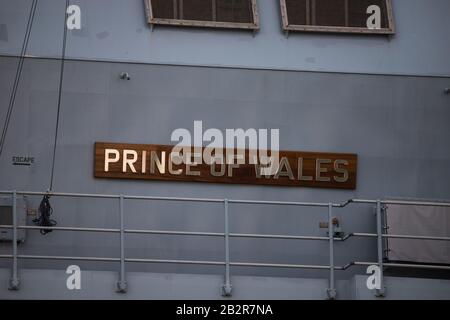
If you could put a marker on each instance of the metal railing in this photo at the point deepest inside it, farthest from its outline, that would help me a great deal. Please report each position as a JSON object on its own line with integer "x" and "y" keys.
{"x": 227, "y": 263}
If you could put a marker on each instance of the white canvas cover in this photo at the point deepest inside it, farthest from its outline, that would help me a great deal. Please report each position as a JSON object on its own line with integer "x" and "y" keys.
{"x": 421, "y": 221}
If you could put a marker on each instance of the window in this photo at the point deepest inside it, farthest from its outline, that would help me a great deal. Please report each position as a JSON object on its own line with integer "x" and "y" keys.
{"x": 337, "y": 16}
{"x": 232, "y": 14}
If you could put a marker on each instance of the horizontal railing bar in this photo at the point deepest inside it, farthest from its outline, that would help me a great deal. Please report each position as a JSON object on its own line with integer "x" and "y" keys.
{"x": 44, "y": 257}
{"x": 358, "y": 263}
{"x": 70, "y": 229}
{"x": 221, "y": 234}
{"x": 237, "y": 264}
{"x": 216, "y": 263}
{"x": 173, "y": 199}
{"x": 402, "y": 265}
{"x": 137, "y": 260}
{"x": 181, "y": 233}
{"x": 362, "y": 201}
{"x": 61, "y": 228}
{"x": 417, "y": 266}
{"x": 235, "y": 235}
{"x": 401, "y": 236}
{"x": 398, "y": 236}
{"x": 286, "y": 203}
{"x": 361, "y": 234}
{"x": 63, "y": 194}
{"x": 294, "y": 203}
{"x": 417, "y": 203}
{"x": 278, "y": 265}
{"x": 113, "y": 196}
{"x": 116, "y": 230}
{"x": 400, "y": 202}
{"x": 169, "y": 232}
{"x": 362, "y": 263}
{"x": 275, "y": 236}
{"x": 218, "y": 234}
{"x": 219, "y": 263}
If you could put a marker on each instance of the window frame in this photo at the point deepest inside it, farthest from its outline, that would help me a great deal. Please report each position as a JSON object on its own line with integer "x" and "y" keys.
{"x": 199, "y": 23}
{"x": 390, "y": 30}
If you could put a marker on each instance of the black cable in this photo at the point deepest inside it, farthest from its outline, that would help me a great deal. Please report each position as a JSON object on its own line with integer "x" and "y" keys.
{"x": 45, "y": 211}
{"x": 61, "y": 78}
{"x": 12, "y": 98}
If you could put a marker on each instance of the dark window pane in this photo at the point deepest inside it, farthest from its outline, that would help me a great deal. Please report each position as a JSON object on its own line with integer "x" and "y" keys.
{"x": 333, "y": 13}
{"x": 200, "y": 10}
{"x": 296, "y": 11}
{"x": 204, "y": 10}
{"x": 329, "y": 13}
{"x": 163, "y": 9}
{"x": 234, "y": 11}
{"x": 358, "y": 16}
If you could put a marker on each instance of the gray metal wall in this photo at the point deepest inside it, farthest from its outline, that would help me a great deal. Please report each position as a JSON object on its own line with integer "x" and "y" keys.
{"x": 397, "y": 125}
{"x": 117, "y": 30}
{"x": 101, "y": 285}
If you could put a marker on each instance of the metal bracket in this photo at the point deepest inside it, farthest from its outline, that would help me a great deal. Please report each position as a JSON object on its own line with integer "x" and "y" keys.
{"x": 380, "y": 293}
{"x": 337, "y": 229}
{"x": 14, "y": 284}
{"x": 331, "y": 293}
{"x": 121, "y": 287}
{"x": 227, "y": 290}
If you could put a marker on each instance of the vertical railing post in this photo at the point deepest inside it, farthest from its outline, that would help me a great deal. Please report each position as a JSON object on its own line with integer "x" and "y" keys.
{"x": 385, "y": 231}
{"x": 122, "y": 284}
{"x": 331, "y": 291}
{"x": 14, "y": 282}
{"x": 381, "y": 291}
{"x": 227, "y": 288}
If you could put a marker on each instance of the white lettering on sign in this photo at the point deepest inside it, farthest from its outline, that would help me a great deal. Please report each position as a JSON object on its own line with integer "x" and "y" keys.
{"x": 160, "y": 160}
{"x": 108, "y": 159}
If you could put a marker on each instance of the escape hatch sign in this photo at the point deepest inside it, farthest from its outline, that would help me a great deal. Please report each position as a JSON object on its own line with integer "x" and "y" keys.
{"x": 164, "y": 162}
